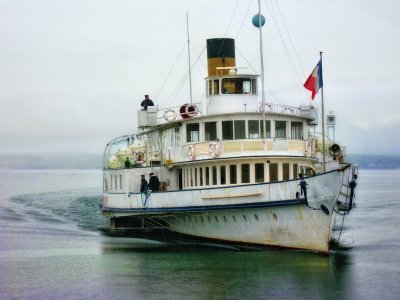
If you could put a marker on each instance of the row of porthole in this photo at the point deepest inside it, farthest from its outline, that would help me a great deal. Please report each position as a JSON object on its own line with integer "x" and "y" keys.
{"x": 201, "y": 219}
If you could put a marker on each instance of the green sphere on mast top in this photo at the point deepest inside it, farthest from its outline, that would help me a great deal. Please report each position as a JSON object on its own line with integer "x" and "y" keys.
{"x": 256, "y": 20}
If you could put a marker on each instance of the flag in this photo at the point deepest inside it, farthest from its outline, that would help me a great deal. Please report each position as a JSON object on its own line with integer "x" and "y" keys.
{"x": 314, "y": 81}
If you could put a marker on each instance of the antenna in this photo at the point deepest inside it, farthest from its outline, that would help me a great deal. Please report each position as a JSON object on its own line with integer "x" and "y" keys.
{"x": 190, "y": 70}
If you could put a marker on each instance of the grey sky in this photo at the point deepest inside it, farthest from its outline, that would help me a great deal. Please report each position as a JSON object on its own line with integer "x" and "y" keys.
{"x": 72, "y": 73}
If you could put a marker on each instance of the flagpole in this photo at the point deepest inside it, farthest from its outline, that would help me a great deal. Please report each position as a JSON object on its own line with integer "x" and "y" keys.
{"x": 323, "y": 123}
{"x": 262, "y": 71}
{"x": 188, "y": 46}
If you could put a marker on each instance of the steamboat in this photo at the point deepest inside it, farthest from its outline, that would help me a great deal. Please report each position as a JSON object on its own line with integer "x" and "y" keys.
{"x": 230, "y": 168}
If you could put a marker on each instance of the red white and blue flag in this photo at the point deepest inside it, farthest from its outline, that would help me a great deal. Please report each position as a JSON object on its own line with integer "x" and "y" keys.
{"x": 314, "y": 81}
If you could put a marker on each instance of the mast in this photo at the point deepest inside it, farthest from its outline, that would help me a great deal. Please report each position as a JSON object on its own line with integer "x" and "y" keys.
{"x": 323, "y": 122}
{"x": 188, "y": 45}
{"x": 262, "y": 70}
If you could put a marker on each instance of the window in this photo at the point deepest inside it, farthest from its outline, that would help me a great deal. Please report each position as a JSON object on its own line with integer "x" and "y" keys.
{"x": 210, "y": 87}
{"x": 236, "y": 85}
{"x": 210, "y": 130}
{"x": 222, "y": 173}
{"x": 233, "y": 174}
{"x": 273, "y": 172}
{"x": 254, "y": 129}
{"x": 259, "y": 172}
{"x": 227, "y": 130}
{"x": 280, "y": 129}
{"x": 120, "y": 181}
{"x": 267, "y": 128}
{"x": 285, "y": 169}
{"x": 295, "y": 172}
{"x": 201, "y": 176}
{"x": 245, "y": 173}
{"x": 207, "y": 176}
{"x": 192, "y": 132}
{"x": 297, "y": 130}
{"x": 216, "y": 87}
{"x": 214, "y": 175}
{"x": 233, "y": 130}
{"x": 240, "y": 129}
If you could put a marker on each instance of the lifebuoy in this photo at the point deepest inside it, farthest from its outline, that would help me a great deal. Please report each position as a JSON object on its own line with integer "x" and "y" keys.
{"x": 213, "y": 150}
{"x": 191, "y": 152}
{"x": 169, "y": 115}
{"x": 139, "y": 157}
{"x": 191, "y": 110}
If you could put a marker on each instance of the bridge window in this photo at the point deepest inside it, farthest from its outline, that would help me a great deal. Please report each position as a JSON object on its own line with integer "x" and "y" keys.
{"x": 254, "y": 129}
{"x": 237, "y": 85}
{"x": 240, "y": 129}
{"x": 192, "y": 132}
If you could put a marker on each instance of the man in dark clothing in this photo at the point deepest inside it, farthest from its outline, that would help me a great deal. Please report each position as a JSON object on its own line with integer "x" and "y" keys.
{"x": 143, "y": 184}
{"x": 127, "y": 163}
{"x": 154, "y": 183}
{"x": 303, "y": 187}
{"x": 146, "y": 102}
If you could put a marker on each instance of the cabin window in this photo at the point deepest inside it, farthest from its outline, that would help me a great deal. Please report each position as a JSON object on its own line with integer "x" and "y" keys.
{"x": 227, "y": 130}
{"x": 222, "y": 173}
{"x": 116, "y": 182}
{"x": 297, "y": 130}
{"x": 254, "y": 129}
{"x": 214, "y": 175}
{"x": 245, "y": 173}
{"x": 267, "y": 128}
{"x": 280, "y": 129}
{"x": 233, "y": 130}
{"x": 210, "y": 86}
{"x": 233, "y": 174}
{"x": 285, "y": 170}
{"x": 207, "y": 176}
{"x": 192, "y": 132}
{"x": 120, "y": 181}
{"x": 295, "y": 172}
{"x": 216, "y": 87}
{"x": 240, "y": 129}
{"x": 259, "y": 172}
{"x": 273, "y": 172}
{"x": 236, "y": 86}
{"x": 210, "y": 130}
{"x": 201, "y": 176}
{"x": 195, "y": 177}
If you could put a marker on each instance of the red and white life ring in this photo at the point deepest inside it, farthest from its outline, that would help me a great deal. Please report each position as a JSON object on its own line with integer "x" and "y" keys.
{"x": 139, "y": 157}
{"x": 191, "y": 110}
{"x": 213, "y": 149}
{"x": 191, "y": 152}
{"x": 169, "y": 115}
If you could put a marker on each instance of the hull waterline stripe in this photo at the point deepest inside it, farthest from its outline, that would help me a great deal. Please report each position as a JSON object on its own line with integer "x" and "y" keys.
{"x": 106, "y": 209}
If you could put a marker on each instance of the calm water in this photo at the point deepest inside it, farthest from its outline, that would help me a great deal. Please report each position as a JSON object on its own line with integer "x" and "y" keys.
{"x": 54, "y": 245}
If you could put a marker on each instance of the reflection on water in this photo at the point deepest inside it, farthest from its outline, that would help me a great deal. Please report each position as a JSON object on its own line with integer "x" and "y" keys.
{"x": 223, "y": 273}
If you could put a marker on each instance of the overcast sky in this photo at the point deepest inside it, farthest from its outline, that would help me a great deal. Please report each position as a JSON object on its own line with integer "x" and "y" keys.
{"x": 73, "y": 72}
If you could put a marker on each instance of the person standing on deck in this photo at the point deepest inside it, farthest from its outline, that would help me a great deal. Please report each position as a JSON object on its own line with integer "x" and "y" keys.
{"x": 143, "y": 184}
{"x": 154, "y": 183}
{"x": 146, "y": 102}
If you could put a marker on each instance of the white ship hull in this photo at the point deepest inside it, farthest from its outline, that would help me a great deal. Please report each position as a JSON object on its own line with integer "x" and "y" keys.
{"x": 265, "y": 214}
